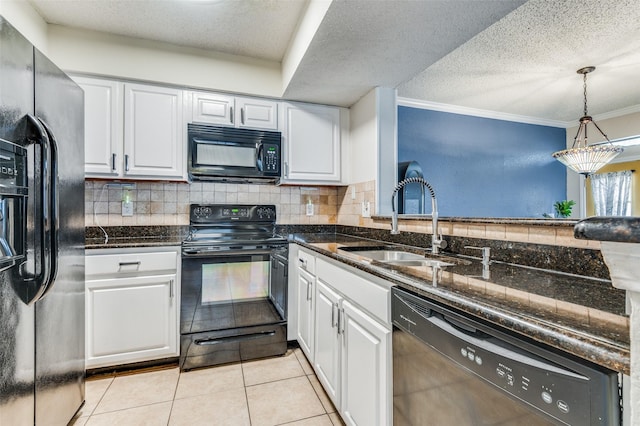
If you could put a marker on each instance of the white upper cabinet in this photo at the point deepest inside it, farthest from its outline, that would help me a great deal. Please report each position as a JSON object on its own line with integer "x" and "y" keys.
{"x": 257, "y": 113}
{"x": 103, "y": 125}
{"x": 133, "y": 131}
{"x": 311, "y": 144}
{"x": 224, "y": 110}
{"x": 153, "y": 132}
{"x": 212, "y": 108}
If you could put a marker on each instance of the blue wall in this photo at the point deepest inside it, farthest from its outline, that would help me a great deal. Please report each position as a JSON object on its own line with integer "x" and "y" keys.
{"x": 481, "y": 167}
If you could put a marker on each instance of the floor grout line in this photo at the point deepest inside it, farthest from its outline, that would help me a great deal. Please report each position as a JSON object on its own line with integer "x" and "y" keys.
{"x": 291, "y": 353}
{"x": 246, "y": 396}
{"x": 175, "y": 392}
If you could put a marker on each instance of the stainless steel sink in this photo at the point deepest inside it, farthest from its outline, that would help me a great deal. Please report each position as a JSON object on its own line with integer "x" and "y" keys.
{"x": 388, "y": 255}
{"x": 395, "y": 257}
{"x": 434, "y": 263}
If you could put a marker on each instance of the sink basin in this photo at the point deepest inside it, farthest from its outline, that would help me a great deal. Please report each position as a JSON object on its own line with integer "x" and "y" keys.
{"x": 389, "y": 255}
{"x": 393, "y": 257}
{"x": 434, "y": 263}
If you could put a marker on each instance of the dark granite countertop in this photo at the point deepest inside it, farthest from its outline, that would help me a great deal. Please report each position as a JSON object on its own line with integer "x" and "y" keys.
{"x": 581, "y": 316}
{"x": 134, "y": 236}
{"x": 603, "y": 228}
{"x": 489, "y": 220}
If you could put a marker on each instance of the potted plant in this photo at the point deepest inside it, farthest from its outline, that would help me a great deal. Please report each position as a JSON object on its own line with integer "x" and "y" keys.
{"x": 563, "y": 208}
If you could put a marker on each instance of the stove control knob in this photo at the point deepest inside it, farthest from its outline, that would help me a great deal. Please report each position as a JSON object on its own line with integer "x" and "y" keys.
{"x": 266, "y": 213}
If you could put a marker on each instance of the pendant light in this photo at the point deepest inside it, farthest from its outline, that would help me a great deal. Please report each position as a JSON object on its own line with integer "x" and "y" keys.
{"x": 581, "y": 157}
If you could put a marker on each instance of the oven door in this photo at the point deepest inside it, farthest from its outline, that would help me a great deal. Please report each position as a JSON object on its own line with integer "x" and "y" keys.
{"x": 278, "y": 279}
{"x": 227, "y": 312}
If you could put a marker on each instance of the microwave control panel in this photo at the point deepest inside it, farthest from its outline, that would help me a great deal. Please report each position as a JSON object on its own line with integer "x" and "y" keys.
{"x": 271, "y": 158}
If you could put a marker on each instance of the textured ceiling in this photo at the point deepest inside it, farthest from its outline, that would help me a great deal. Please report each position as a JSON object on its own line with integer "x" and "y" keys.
{"x": 526, "y": 63}
{"x": 508, "y": 56}
{"x": 363, "y": 44}
{"x": 254, "y": 28}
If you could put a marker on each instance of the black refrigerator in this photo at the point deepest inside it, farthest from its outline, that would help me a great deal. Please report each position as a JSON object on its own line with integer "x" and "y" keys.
{"x": 41, "y": 237}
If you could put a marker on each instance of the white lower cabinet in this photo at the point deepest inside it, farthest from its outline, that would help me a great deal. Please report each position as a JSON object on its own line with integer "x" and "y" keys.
{"x": 352, "y": 354}
{"x": 366, "y": 368}
{"x": 306, "y": 289}
{"x": 132, "y": 302}
{"x": 328, "y": 340}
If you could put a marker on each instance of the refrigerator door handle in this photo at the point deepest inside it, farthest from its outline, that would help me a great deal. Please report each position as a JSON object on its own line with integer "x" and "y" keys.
{"x": 48, "y": 205}
{"x": 53, "y": 208}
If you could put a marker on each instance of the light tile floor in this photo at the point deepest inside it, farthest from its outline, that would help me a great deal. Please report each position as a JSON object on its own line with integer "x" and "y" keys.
{"x": 269, "y": 392}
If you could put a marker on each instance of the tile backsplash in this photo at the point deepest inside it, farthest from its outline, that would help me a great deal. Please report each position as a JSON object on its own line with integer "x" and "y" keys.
{"x": 158, "y": 203}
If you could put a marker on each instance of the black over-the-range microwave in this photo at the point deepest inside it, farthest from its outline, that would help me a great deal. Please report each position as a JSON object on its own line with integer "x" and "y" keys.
{"x": 230, "y": 154}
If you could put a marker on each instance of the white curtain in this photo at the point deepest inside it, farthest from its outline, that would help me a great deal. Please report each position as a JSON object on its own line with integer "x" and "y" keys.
{"x": 612, "y": 193}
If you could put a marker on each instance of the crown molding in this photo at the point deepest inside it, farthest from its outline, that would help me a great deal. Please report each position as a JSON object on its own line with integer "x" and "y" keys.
{"x": 617, "y": 113}
{"x": 476, "y": 112}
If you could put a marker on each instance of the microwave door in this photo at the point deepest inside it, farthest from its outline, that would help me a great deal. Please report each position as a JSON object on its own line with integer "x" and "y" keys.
{"x": 224, "y": 156}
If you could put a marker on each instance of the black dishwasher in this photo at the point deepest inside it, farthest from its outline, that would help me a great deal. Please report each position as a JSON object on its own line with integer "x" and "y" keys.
{"x": 449, "y": 369}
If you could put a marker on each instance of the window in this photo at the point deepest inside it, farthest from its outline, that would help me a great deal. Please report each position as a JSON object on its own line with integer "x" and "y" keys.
{"x": 612, "y": 193}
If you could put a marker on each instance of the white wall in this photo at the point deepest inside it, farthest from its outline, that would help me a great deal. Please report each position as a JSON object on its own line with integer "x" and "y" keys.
{"x": 387, "y": 148}
{"x": 92, "y": 52}
{"x": 373, "y": 144}
{"x": 26, "y": 20}
{"x": 614, "y": 128}
{"x": 363, "y": 139}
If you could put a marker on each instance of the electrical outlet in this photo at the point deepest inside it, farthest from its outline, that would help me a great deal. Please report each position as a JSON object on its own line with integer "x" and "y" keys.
{"x": 366, "y": 209}
{"x": 309, "y": 209}
{"x": 127, "y": 208}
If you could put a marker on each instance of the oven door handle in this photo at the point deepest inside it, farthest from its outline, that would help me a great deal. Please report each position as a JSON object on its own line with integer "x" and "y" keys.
{"x": 222, "y": 253}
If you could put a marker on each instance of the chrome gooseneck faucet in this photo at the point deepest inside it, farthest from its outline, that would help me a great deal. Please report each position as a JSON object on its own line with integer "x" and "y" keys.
{"x": 437, "y": 242}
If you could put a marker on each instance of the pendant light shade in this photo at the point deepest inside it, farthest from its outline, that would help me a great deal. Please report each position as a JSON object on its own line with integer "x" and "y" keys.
{"x": 581, "y": 157}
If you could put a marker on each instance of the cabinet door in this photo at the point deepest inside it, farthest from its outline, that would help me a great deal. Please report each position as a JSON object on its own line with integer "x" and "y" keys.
{"x": 327, "y": 349}
{"x": 153, "y": 132}
{"x": 102, "y": 126}
{"x": 306, "y": 288}
{"x": 212, "y": 108}
{"x": 366, "y": 369}
{"x": 312, "y": 143}
{"x": 131, "y": 319}
{"x": 257, "y": 113}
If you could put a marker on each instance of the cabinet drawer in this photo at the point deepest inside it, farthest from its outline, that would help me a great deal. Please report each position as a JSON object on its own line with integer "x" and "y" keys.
{"x": 372, "y": 297}
{"x": 306, "y": 261}
{"x": 113, "y": 264}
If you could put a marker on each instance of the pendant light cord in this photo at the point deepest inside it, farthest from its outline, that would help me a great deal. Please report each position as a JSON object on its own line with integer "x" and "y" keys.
{"x": 584, "y": 79}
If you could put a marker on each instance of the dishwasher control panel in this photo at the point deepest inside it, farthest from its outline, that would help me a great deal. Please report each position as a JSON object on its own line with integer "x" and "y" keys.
{"x": 560, "y": 391}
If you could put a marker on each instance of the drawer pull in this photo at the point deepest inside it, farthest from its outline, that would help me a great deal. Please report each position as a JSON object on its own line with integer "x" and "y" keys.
{"x": 226, "y": 339}
{"x": 129, "y": 263}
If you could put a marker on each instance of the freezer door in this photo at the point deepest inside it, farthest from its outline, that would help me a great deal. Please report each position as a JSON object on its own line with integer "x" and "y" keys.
{"x": 60, "y": 369}
{"x": 16, "y": 318}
